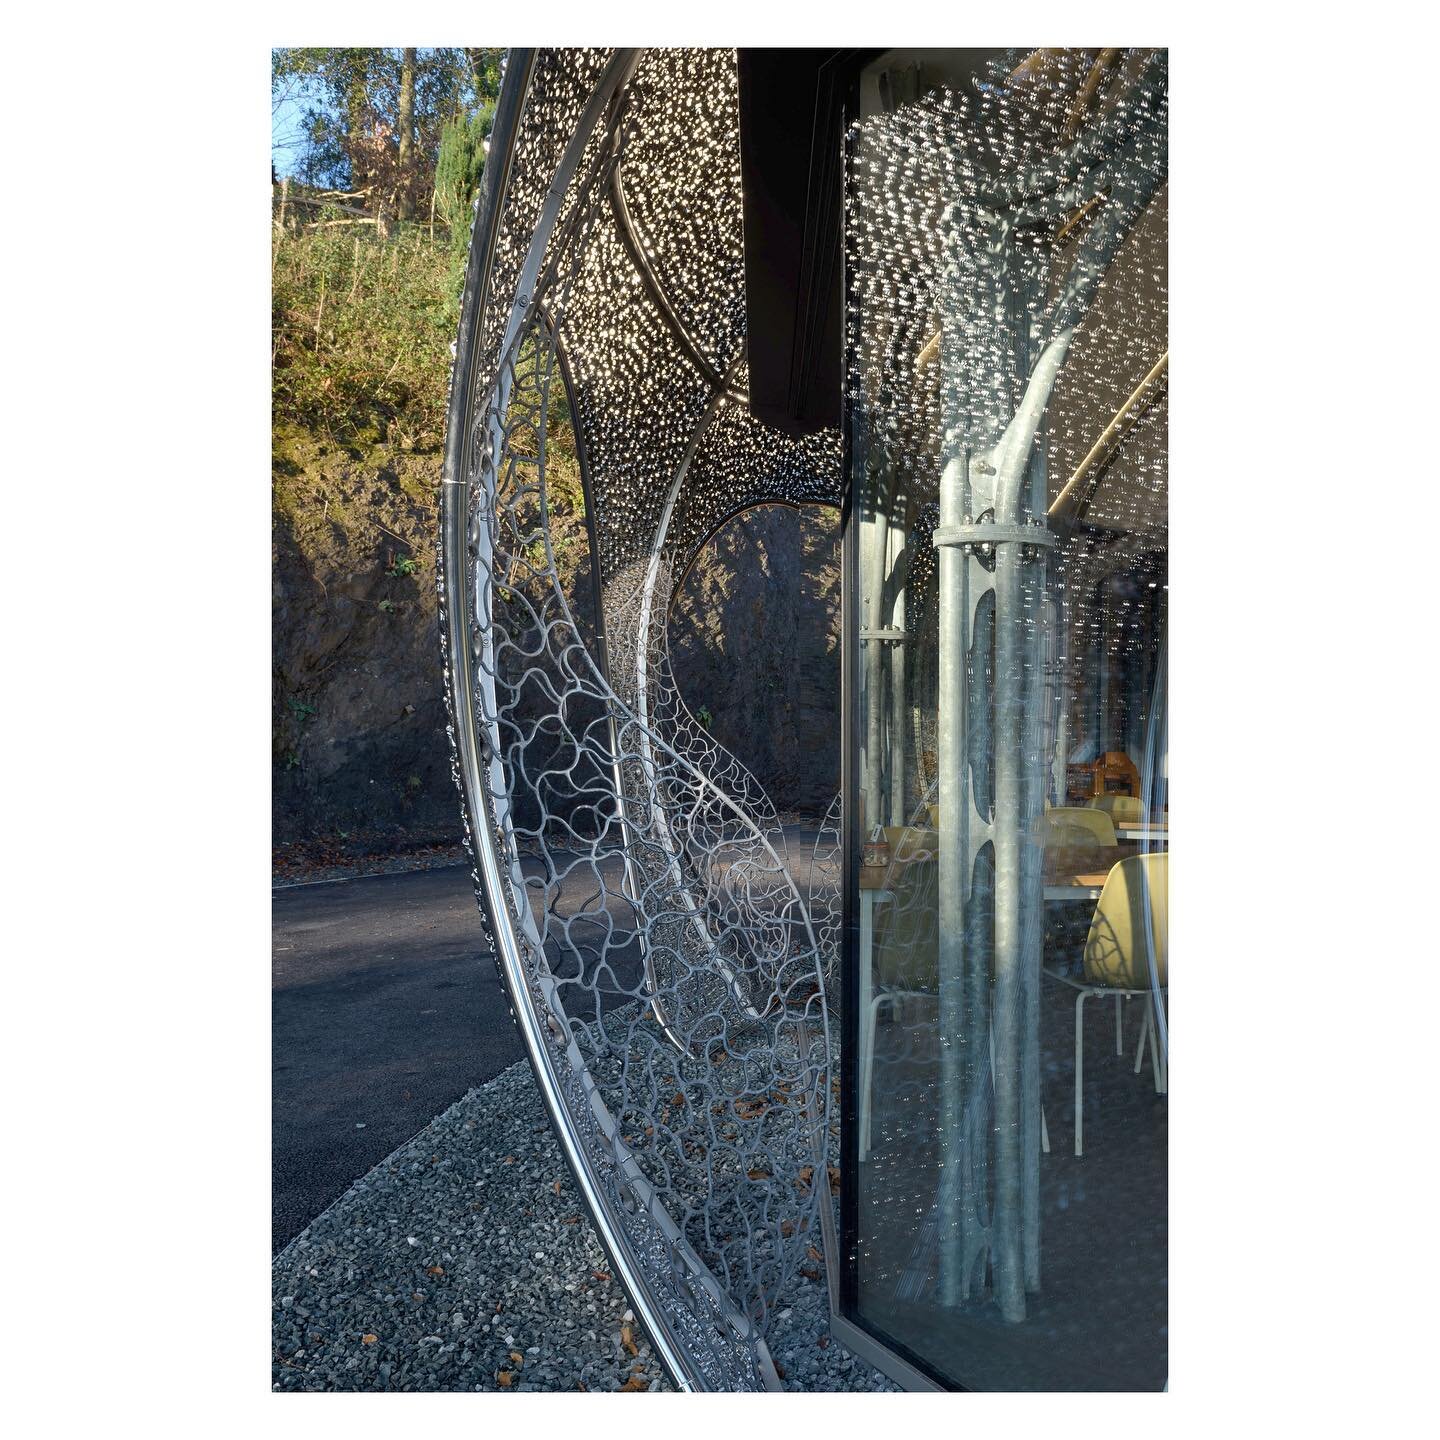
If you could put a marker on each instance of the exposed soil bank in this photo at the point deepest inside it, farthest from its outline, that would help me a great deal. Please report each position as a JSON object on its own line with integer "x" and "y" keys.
{"x": 360, "y": 754}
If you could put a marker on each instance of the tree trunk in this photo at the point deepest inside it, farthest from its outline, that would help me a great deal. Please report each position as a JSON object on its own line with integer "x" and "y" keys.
{"x": 406, "y": 201}
{"x": 357, "y": 128}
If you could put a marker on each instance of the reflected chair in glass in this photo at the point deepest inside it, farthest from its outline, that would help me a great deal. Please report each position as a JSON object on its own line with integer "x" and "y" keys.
{"x": 1126, "y": 953}
{"x": 1122, "y": 809}
{"x": 1059, "y": 834}
{"x": 907, "y": 842}
{"x": 1097, "y": 822}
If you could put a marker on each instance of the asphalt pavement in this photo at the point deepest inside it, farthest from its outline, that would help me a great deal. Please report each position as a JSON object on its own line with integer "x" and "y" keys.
{"x": 385, "y": 1011}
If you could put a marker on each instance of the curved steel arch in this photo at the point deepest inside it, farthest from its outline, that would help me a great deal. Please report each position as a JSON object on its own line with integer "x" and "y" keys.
{"x": 660, "y": 962}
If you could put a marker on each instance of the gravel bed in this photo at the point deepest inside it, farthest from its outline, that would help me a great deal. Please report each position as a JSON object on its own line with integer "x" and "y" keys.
{"x": 466, "y": 1261}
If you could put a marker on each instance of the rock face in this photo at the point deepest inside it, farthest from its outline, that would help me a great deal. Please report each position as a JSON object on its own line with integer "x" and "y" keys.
{"x": 755, "y": 642}
{"x": 358, "y": 718}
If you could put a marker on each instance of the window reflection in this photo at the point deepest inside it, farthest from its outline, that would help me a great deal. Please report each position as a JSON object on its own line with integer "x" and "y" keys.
{"x": 1007, "y": 1152}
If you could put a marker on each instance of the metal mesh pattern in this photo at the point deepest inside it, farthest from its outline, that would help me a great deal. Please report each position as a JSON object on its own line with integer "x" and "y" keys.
{"x": 827, "y": 872}
{"x": 663, "y": 965}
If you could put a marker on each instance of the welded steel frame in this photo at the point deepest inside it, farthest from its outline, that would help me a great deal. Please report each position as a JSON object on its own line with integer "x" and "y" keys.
{"x": 708, "y": 1336}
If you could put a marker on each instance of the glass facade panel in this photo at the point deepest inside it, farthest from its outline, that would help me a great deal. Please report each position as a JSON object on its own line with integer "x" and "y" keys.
{"x": 1007, "y": 940}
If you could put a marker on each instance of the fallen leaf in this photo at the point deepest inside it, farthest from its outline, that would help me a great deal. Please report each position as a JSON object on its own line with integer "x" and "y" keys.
{"x": 571, "y": 1220}
{"x": 435, "y": 1270}
{"x": 627, "y": 1339}
{"x": 518, "y": 1359}
{"x": 368, "y": 1339}
{"x": 807, "y": 1174}
{"x": 758, "y": 1174}
{"x": 636, "y": 1382}
{"x": 602, "y": 1276}
{"x": 834, "y": 1180}
{"x": 503, "y": 1379}
{"x": 787, "y": 1229}
{"x": 509, "y": 1159}
{"x": 556, "y": 1187}
{"x": 808, "y": 1273}
{"x": 812, "y": 1252}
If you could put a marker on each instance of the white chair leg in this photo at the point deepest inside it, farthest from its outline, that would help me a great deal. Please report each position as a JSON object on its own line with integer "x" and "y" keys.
{"x": 1150, "y": 1035}
{"x": 1144, "y": 1037}
{"x": 1119, "y": 1025}
{"x": 1158, "y": 1062}
{"x": 1079, "y": 1072}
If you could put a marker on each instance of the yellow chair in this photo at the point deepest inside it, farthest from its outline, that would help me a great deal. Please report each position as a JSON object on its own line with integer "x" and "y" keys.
{"x": 1098, "y": 823}
{"x": 909, "y": 842}
{"x": 1126, "y": 953}
{"x": 1122, "y": 809}
{"x": 1055, "y": 833}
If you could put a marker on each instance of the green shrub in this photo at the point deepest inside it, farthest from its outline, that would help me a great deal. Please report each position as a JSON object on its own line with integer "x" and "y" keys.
{"x": 361, "y": 335}
{"x": 361, "y": 329}
{"x": 460, "y": 164}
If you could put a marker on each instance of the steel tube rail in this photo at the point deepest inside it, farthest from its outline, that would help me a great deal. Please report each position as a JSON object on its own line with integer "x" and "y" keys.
{"x": 500, "y": 888}
{"x": 489, "y": 540}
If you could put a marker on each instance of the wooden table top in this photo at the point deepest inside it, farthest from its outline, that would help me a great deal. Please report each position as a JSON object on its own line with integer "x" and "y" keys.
{"x": 1092, "y": 881}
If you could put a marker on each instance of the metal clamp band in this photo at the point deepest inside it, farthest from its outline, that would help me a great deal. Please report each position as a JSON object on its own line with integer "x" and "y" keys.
{"x": 885, "y": 634}
{"x": 990, "y": 533}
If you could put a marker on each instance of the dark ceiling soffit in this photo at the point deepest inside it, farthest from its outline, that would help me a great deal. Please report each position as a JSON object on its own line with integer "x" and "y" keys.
{"x": 793, "y": 107}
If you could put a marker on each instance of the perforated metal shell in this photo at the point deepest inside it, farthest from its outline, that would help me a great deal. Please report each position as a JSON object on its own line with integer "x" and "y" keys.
{"x": 661, "y": 964}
